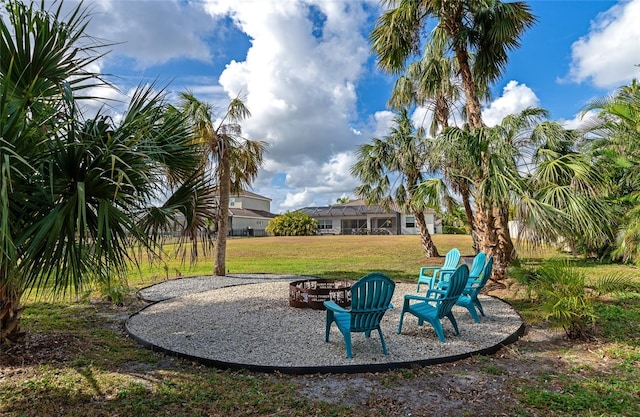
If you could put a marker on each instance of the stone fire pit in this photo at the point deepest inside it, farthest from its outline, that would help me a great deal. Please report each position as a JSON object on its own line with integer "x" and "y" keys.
{"x": 312, "y": 293}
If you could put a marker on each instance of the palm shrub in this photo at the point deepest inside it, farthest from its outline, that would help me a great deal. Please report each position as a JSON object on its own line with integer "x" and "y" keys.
{"x": 76, "y": 191}
{"x": 293, "y": 223}
{"x": 564, "y": 297}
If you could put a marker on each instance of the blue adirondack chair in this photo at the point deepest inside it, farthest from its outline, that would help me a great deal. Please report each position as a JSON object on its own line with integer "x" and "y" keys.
{"x": 370, "y": 299}
{"x": 469, "y": 297}
{"x": 477, "y": 266}
{"x": 431, "y": 274}
{"x": 437, "y": 304}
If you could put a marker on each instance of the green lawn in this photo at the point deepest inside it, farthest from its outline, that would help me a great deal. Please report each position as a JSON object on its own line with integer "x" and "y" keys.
{"x": 77, "y": 361}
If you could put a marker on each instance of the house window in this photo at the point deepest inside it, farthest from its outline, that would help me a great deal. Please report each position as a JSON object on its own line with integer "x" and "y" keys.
{"x": 410, "y": 221}
{"x": 325, "y": 224}
{"x": 232, "y": 202}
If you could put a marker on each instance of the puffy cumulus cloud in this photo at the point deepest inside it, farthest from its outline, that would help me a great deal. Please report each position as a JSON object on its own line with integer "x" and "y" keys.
{"x": 580, "y": 121}
{"x": 382, "y": 122}
{"x": 153, "y": 32}
{"x": 515, "y": 98}
{"x": 299, "y": 81}
{"x": 607, "y": 55}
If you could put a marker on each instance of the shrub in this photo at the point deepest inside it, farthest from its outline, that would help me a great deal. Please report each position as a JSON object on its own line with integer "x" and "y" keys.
{"x": 294, "y": 223}
{"x": 565, "y": 299}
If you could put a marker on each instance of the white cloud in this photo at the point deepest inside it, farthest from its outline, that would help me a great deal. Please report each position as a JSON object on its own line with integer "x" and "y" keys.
{"x": 515, "y": 98}
{"x": 153, "y": 32}
{"x": 607, "y": 55}
{"x": 299, "y": 78}
{"x": 382, "y": 122}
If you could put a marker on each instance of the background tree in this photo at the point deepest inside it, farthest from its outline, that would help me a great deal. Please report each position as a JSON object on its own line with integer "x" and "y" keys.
{"x": 73, "y": 189}
{"x": 613, "y": 145}
{"x": 236, "y": 160}
{"x": 390, "y": 169}
{"x": 293, "y": 223}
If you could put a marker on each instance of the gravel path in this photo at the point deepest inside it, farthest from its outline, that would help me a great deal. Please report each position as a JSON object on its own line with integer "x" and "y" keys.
{"x": 245, "y": 321}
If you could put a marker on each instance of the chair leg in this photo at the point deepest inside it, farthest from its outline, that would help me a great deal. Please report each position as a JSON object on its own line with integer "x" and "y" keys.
{"x": 453, "y": 322}
{"x": 347, "y": 343}
{"x": 437, "y": 326}
{"x": 328, "y": 325}
{"x": 384, "y": 345}
{"x": 472, "y": 311}
{"x": 400, "y": 323}
{"x": 477, "y": 303}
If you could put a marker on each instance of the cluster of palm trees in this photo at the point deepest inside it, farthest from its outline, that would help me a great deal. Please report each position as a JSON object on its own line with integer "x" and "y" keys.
{"x": 569, "y": 186}
{"x": 77, "y": 191}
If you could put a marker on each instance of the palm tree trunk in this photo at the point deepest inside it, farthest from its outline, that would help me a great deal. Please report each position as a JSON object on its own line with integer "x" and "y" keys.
{"x": 505, "y": 244}
{"x": 10, "y": 312}
{"x": 224, "y": 186}
{"x": 466, "y": 202}
{"x": 474, "y": 110}
{"x": 425, "y": 237}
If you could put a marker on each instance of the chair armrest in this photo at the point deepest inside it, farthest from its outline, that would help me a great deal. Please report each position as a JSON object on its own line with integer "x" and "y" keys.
{"x": 435, "y": 291}
{"x": 446, "y": 271}
{"x": 429, "y": 268}
{"x": 331, "y": 305}
{"x": 415, "y": 297}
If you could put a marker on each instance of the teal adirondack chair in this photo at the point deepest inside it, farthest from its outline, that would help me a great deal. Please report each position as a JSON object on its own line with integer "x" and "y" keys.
{"x": 431, "y": 274}
{"x": 477, "y": 266}
{"x": 370, "y": 299}
{"x": 437, "y": 304}
{"x": 469, "y": 298}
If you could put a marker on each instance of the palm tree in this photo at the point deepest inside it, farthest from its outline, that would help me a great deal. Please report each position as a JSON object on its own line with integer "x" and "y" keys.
{"x": 237, "y": 160}
{"x": 614, "y": 146}
{"x": 496, "y": 180}
{"x": 488, "y": 30}
{"x": 72, "y": 190}
{"x": 390, "y": 170}
{"x": 478, "y": 35}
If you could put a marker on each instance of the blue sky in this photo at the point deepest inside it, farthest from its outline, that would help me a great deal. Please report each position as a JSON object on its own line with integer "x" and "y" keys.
{"x": 315, "y": 94}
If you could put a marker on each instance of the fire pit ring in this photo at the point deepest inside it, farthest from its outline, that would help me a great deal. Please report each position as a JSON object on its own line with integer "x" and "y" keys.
{"x": 312, "y": 293}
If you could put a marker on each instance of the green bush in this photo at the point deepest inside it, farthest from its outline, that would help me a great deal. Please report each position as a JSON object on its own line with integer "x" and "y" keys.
{"x": 294, "y": 223}
{"x": 564, "y": 298}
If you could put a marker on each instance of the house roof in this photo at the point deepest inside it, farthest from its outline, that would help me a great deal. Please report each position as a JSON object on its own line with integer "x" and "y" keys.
{"x": 240, "y": 212}
{"x": 344, "y": 211}
{"x": 250, "y": 194}
{"x": 351, "y": 208}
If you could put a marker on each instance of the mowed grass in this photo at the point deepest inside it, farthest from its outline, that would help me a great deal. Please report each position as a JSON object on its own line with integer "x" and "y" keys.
{"x": 91, "y": 368}
{"x": 322, "y": 256}
{"x": 336, "y": 257}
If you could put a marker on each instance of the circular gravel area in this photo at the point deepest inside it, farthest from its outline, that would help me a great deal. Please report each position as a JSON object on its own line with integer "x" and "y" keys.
{"x": 246, "y": 322}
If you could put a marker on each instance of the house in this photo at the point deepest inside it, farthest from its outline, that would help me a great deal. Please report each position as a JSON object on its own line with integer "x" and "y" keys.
{"x": 249, "y": 214}
{"x": 356, "y": 217}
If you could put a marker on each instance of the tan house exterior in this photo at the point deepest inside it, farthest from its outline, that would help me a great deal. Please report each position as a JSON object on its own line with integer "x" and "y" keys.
{"x": 249, "y": 214}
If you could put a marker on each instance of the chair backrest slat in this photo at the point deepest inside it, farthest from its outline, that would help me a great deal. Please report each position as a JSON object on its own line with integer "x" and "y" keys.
{"x": 370, "y": 298}
{"x": 457, "y": 282}
{"x": 451, "y": 259}
{"x": 477, "y": 265}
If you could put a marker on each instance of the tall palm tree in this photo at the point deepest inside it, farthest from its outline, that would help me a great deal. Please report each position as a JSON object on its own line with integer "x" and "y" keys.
{"x": 237, "y": 160}
{"x": 391, "y": 168}
{"x": 486, "y": 29}
{"x": 478, "y": 35}
{"x": 72, "y": 189}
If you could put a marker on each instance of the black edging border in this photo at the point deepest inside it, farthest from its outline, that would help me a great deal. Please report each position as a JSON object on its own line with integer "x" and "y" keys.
{"x": 341, "y": 369}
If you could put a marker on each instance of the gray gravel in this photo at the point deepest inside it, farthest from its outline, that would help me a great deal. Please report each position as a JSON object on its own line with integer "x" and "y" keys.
{"x": 246, "y": 320}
